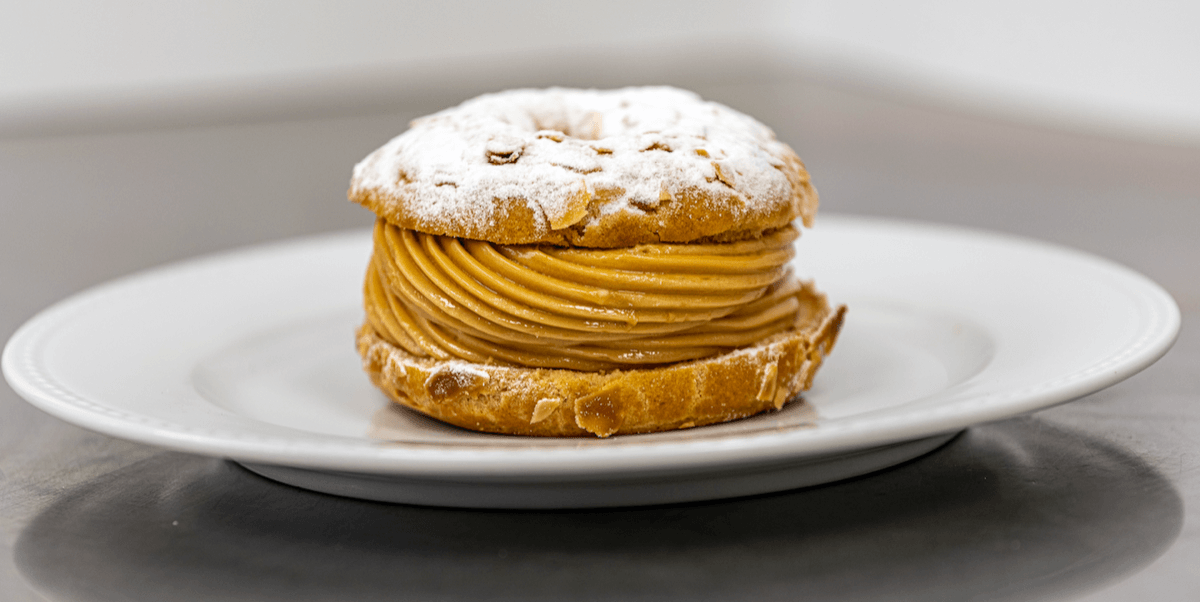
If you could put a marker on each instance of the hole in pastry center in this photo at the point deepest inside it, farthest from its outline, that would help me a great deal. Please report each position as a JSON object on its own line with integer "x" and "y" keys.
{"x": 566, "y": 123}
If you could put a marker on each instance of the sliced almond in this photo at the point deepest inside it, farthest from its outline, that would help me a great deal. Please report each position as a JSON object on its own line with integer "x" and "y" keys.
{"x": 602, "y": 412}
{"x": 504, "y": 149}
{"x": 453, "y": 379}
{"x": 726, "y": 177}
{"x": 544, "y": 408}
{"x": 770, "y": 381}
{"x": 781, "y": 397}
{"x": 575, "y": 209}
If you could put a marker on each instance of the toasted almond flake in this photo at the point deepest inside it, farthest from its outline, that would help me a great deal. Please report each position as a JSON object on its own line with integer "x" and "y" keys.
{"x": 453, "y": 379}
{"x": 782, "y": 394}
{"x": 602, "y": 412}
{"x": 725, "y": 176}
{"x": 770, "y": 382}
{"x": 544, "y": 408}
{"x": 576, "y": 209}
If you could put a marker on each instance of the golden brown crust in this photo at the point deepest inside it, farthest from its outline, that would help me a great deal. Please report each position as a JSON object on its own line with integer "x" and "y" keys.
{"x": 550, "y": 402}
{"x": 692, "y": 215}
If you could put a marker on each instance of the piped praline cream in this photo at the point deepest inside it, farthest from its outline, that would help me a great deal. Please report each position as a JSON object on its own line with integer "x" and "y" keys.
{"x": 583, "y": 309}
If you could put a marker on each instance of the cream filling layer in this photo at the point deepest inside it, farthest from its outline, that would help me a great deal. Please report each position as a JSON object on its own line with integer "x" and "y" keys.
{"x": 581, "y": 309}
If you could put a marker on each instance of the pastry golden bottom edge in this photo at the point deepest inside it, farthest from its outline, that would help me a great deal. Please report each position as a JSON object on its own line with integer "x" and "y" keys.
{"x": 568, "y": 403}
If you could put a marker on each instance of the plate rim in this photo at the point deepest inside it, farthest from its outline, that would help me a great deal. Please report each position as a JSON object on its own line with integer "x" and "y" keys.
{"x": 339, "y": 453}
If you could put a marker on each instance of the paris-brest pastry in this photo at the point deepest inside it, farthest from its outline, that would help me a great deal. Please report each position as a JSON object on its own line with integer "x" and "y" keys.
{"x": 579, "y": 262}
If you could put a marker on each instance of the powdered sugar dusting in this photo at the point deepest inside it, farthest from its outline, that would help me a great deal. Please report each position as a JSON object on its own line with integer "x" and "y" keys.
{"x": 559, "y": 150}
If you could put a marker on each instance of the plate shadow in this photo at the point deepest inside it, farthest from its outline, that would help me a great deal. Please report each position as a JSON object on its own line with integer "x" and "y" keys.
{"x": 1017, "y": 510}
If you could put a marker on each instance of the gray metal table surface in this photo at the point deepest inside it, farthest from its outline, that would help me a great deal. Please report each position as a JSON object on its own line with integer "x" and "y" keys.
{"x": 1093, "y": 500}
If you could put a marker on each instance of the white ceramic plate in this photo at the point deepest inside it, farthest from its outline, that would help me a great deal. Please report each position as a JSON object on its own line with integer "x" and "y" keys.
{"x": 249, "y": 355}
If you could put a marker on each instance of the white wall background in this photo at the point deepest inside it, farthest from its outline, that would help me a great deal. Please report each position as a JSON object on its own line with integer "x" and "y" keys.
{"x": 1123, "y": 67}
{"x": 1127, "y": 67}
